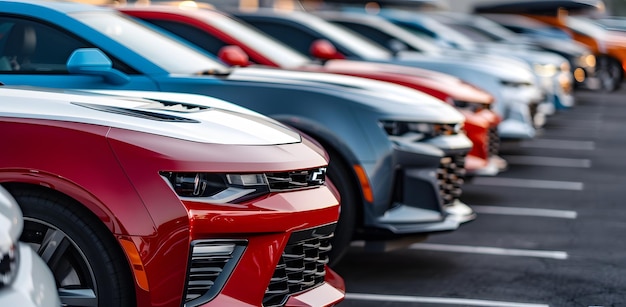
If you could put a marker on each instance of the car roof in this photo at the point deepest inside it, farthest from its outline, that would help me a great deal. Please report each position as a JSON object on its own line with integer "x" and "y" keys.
{"x": 59, "y": 6}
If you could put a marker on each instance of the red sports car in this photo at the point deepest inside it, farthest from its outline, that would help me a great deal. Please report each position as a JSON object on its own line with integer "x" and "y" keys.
{"x": 178, "y": 200}
{"x": 238, "y": 44}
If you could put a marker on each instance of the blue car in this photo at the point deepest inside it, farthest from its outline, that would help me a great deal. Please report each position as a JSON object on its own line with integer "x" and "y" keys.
{"x": 395, "y": 153}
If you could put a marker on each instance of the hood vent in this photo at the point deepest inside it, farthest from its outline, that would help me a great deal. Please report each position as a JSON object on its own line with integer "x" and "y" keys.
{"x": 145, "y": 114}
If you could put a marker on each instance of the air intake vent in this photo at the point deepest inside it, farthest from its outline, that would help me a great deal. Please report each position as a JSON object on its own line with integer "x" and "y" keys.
{"x": 210, "y": 266}
{"x": 174, "y": 106}
{"x": 146, "y": 114}
{"x": 302, "y": 265}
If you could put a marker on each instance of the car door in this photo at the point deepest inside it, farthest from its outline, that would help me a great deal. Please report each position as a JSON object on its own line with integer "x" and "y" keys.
{"x": 35, "y": 53}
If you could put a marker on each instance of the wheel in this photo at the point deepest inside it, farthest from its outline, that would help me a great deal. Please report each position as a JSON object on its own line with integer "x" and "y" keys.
{"x": 88, "y": 265}
{"x": 610, "y": 73}
{"x": 339, "y": 174}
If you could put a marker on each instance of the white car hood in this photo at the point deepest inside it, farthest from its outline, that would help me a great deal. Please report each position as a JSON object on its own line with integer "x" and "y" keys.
{"x": 182, "y": 116}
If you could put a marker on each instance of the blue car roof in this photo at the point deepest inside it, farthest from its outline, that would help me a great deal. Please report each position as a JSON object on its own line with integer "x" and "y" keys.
{"x": 59, "y": 6}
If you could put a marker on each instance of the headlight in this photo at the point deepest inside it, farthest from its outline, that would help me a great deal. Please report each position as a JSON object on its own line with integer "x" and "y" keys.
{"x": 426, "y": 130}
{"x": 545, "y": 70}
{"x": 9, "y": 261}
{"x": 590, "y": 60}
{"x": 565, "y": 67}
{"x": 471, "y": 106}
{"x": 508, "y": 83}
{"x": 233, "y": 188}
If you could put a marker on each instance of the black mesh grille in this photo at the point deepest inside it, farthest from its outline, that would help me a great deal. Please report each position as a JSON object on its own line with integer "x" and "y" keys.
{"x": 451, "y": 175}
{"x": 302, "y": 265}
{"x": 281, "y": 181}
{"x": 494, "y": 142}
{"x": 211, "y": 262}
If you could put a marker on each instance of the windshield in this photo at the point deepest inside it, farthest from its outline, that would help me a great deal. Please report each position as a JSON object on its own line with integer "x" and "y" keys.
{"x": 270, "y": 48}
{"x": 352, "y": 41}
{"x": 162, "y": 50}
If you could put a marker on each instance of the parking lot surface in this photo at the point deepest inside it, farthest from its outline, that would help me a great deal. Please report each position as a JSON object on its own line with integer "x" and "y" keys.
{"x": 550, "y": 230}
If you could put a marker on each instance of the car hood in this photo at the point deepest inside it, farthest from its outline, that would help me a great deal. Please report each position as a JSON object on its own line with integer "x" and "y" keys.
{"x": 504, "y": 70}
{"x": 528, "y": 55}
{"x": 445, "y": 83}
{"x": 10, "y": 221}
{"x": 182, "y": 116}
{"x": 388, "y": 97}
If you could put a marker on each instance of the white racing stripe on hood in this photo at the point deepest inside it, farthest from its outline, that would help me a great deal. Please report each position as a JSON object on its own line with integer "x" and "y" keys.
{"x": 215, "y": 121}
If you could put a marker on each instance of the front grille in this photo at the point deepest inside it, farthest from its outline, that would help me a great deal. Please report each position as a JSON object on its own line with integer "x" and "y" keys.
{"x": 210, "y": 265}
{"x": 451, "y": 174}
{"x": 494, "y": 142}
{"x": 302, "y": 265}
{"x": 281, "y": 181}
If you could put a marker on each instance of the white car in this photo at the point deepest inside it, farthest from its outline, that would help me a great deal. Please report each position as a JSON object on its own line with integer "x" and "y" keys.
{"x": 25, "y": 279}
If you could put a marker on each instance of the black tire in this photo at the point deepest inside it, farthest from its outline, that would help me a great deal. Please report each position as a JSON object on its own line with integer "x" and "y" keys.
{"x": 610, "y": 73}
{"x": 341, "y": 177}
{"x": 86, "y": 261}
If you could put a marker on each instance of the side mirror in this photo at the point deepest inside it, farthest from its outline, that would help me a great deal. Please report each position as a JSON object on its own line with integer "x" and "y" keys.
{"x": 233, "y": 56}
{"x": 396, "y": 46}
{"x": 92, "y": 61}
{"x": 324, "y": 50}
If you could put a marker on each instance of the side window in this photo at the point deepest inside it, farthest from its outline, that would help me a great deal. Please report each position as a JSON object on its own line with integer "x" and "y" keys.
{"x": 295, "y": 38}
{"x": 30, "y": 47}
{"x": 373, "y": 34}
{"x": 191, "y": 34}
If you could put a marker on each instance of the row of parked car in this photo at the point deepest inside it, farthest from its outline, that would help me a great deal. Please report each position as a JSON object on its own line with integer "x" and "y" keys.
{"x": 180, "y": 154}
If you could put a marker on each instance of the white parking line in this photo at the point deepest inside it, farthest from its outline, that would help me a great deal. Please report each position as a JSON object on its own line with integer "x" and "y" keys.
{"x": 548, "y": 161}
{"x": 563, "y": 214}
{"x": 559, "y": 144}
{"x": 528, "y": 183}
{"x": 435, "y": 300}
{"x": 490, "y": 250}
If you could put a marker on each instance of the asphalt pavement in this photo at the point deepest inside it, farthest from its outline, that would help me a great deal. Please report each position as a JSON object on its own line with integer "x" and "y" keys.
{"x": 551, "y": 230}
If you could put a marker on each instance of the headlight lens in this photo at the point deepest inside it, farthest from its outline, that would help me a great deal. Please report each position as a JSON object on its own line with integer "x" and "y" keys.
{"x": 590, "y": 60}
{"x": 426, "y": 130}
{"x": 545, "y": 70}
{"x": 472, "y": 106}
{"x": 234, "y": 188}
{"x": 9, "y": 261}
{"x": 217, "y": 188}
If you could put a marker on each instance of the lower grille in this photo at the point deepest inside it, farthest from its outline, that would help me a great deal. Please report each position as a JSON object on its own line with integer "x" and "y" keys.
{"x": 302, "y": 265}
{"x": 533, "y": 109}
{"x": 451, "y": 176}
{"x": 210, "y": 265}
{"x": 494, "y": 142}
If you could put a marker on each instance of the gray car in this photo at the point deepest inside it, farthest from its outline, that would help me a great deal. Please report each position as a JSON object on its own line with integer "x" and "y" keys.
{"x": 25, "y": 279}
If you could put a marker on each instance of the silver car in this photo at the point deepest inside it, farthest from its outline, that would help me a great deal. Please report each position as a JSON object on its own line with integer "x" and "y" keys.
{"x": 25, "y": 279}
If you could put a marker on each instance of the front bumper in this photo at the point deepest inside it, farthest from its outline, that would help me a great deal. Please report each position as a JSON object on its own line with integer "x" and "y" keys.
{"x": 427, "y": 180}
{"x": 519, "y": 112}
{"x": 226, "y": 248}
